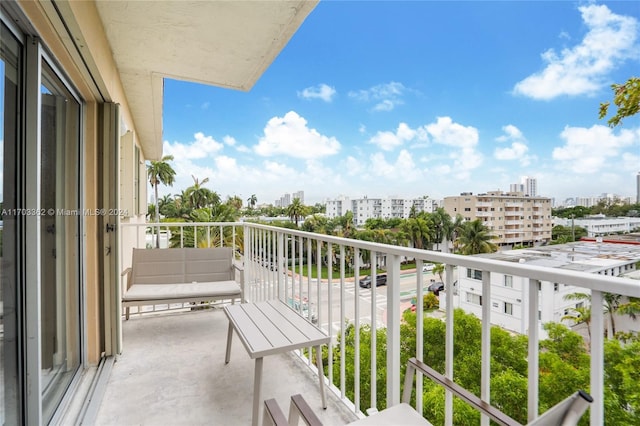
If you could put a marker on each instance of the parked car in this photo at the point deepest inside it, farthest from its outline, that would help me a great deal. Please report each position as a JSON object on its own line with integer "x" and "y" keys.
{"x": 428, "y": 267}
{"x": 381, "y": 279}
{"x": 436, "y": 287}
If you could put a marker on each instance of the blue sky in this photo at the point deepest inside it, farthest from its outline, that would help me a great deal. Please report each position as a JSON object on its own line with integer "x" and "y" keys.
{"x": 421, "y": 98}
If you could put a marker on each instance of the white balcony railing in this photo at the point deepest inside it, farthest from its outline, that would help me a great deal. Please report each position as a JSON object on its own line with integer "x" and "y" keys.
{"x": 284, "y": 263}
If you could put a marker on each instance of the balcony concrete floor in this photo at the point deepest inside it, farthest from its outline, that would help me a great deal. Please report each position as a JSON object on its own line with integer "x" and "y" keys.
{"x": 172, "y": 372}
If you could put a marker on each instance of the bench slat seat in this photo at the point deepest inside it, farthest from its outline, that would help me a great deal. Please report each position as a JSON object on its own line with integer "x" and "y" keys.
{"x": 180, "y": 275}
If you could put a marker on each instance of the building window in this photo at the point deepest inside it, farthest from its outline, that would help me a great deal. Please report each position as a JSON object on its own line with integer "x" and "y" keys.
{"x": 474, "y": 274}
{"x": 508, "y": 281}
{"x": 476, "y": 299}
{"x": 508, "y": 308}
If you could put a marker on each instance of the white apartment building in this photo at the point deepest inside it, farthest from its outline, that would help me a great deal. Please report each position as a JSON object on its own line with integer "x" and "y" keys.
{"x": 515, "y": 219}
{"x": 378, "y": 208}
{"x": 601, "y": 225}
{"x": 509, "y": 294}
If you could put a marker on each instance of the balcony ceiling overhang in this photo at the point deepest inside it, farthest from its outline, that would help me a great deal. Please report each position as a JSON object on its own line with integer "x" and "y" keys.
{"x": 222, "y": 43}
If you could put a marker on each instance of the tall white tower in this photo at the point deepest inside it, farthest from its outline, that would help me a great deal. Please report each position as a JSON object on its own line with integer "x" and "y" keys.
{"x": 530, "y": 186}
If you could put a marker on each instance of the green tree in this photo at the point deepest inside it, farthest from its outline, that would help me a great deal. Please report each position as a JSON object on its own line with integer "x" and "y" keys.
{"x": 438, "y": 270}
{"x": 199, "y": 196}
{"x": 626, "y": 98}
{"x": 417, "y": 230}
{"x": 474, "y": 238}
{"x": 613, "y": 304}
{"x": 235, "y": 202}
{"x": 564, "y": 234}
{"x": 252, "y": 201}
{"x": 296, "y": 210}
{"x": 579, "y": 315}
{"x": 569, "y": 212}
{"x": 443, "y": 226}
{"x": 160, "y": 172}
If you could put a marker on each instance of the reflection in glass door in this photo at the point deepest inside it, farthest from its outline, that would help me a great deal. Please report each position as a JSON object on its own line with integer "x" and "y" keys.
{"x": 60, "y": 240}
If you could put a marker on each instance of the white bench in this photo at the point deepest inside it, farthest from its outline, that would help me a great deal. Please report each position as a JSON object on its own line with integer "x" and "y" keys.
{"x": 180, "y": 275}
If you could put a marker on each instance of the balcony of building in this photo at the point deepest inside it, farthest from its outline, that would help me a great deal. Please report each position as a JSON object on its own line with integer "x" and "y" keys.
{"x": 172, "y": 363}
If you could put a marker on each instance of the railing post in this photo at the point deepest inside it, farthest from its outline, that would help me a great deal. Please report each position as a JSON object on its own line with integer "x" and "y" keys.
{"x": 245, "y": 260}
{"x": 597, "y": 359}
{"x": 532, "y": 377}
{"x": 448, "y": 358}
{"x": 485, "y": 380}
{"x": 281, "y": 271}
{"x": 393, "y": 330}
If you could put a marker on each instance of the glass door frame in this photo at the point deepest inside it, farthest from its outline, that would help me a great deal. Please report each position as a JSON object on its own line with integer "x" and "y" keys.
{"x": 35, "y": 56}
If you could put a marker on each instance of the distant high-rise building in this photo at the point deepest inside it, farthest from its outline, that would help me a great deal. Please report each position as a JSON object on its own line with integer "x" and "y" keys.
{"x": 528, "y": 186}
{"x": 299, "y": 195}
{"x": 638, "y": 188}
{"x": 516, "y": 187}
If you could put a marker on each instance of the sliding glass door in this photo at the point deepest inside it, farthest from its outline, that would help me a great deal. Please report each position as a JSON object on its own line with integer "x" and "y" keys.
{"x": 41, "y": 344}
{"x": 59, "y": 238}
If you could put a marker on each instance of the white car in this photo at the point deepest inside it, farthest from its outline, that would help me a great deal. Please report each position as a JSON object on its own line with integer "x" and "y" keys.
{"x": 428, "y": 267}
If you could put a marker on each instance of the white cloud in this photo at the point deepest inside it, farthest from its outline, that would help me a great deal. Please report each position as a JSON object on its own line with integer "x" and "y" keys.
{"x": 321, "y": 91}
{"x": 385, "y": 96}
{"x": 229, "y": 140}
{"x": 444, "y": 131}
{"x": 403, "y": 169}
{"x": 630, "y": 161}
{"x": 389, "y": 140}
{"x": 289, "y": 135}
{"x": 203, "y": 146}
{"x": 517, "y": 150}
{"x": 205, "y": 105}
{"x": 511, "y": 132}
{"x": 353, "y": 166}
{"x": 611, "y": 39}
{"x": 587, "y": 150}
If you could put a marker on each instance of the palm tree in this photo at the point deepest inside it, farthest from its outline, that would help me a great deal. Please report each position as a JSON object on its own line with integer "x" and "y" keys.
{"x": 612, "y": 306}
{"x": 235, "y": 201}
{"x": 442, "y": 226}
{"x": 580, "y": 314}
{"x": 475, "y": 238}
{"x": 438, "y": 269}
{"x": 418, "y": 231}
{"x": 160, "y": 172}
{"x": 252, "y": 201}
{"x": 296, "y": 210}
{"x": 199, "y": 196}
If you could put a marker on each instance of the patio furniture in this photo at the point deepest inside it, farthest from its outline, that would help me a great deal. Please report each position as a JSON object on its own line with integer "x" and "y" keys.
{"x": 566, "y": 413}
{"x": 272, "y": 327}
{"x": 179, "y": 275}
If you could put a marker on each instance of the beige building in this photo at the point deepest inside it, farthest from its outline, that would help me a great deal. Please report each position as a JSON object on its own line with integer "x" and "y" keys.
{"x": 515, "y": 219}
{"x": 82, "y": 94}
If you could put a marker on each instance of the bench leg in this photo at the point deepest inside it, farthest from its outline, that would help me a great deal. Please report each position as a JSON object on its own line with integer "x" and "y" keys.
{"x": 229, "y": 336}
{"x": 257, "y": 393}
{"x": 321, "y": 375}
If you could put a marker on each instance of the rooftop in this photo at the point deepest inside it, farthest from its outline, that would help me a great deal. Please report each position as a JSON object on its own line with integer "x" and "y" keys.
{"x": 587, "y": 256}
